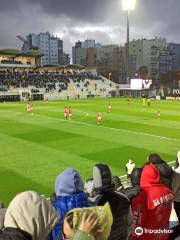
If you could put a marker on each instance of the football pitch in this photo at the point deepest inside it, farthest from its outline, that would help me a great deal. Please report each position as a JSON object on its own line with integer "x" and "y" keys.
{"x": 35, "y": 148}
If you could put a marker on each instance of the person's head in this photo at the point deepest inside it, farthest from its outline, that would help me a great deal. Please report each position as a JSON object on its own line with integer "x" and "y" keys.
{"x": 149, "y": 176}
{"x": 91, "y": 220}
{"x": 136, "y": 176}
{"x": 68, "y": 182}
{"x": 102, "y": 176}
{"x": 31, "y": 213}
{"x": 87, "y": 222}
{"x": 154, "y": 159}
{"x": 130, "y": 161}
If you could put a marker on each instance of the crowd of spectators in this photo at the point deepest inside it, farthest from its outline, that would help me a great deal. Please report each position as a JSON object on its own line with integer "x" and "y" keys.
{"x": 100, "y": 209}
{"x": 50, "y": 81}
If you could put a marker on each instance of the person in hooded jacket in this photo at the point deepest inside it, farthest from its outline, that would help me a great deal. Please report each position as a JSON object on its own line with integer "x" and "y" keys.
{"x": 28, "y": 217}
{"x": 119, "y": 203}
{"x": 164, "y": 169}
{"x": 152, "y": 206}
{"x": 69, "y": 194}
{"x": 88, "y": 223}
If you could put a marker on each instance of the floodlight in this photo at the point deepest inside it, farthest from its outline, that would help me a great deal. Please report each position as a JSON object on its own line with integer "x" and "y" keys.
{"x": 128, "y": 5}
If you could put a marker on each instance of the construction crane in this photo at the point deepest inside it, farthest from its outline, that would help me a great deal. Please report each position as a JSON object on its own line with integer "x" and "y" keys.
{"x": 27, "y": 43}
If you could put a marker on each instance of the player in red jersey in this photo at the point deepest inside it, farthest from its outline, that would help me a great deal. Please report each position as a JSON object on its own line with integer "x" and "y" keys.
{"x": 69, "y": 113}
{"x": 109, "y": 107}
{"x": 29, "y": 107}
{"x": 66, "y": 113}
{"x": 99, "y": 118}
{"x": 158, "y": 113}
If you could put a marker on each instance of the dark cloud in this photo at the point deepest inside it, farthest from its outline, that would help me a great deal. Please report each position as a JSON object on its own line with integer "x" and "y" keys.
{"x": 102, "y": 20}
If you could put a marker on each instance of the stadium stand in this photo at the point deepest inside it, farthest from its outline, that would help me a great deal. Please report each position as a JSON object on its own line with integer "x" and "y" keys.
{"x": 38, "y": 84}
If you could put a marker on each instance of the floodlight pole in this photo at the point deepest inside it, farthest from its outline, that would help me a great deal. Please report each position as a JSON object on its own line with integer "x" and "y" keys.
{"x": 127, "y": 48}
{"x": 128, "y": 6}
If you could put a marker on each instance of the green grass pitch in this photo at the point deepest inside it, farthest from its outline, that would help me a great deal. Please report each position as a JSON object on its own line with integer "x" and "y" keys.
{"x": 35, "y": 148}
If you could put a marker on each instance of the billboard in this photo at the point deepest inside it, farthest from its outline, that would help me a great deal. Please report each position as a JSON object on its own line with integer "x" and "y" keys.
{"x": 139, "y": 84}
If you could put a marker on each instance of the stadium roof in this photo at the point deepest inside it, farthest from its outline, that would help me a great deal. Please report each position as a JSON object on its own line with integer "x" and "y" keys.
{"x": 74, "y": 66}
{"x": 54, "y": 65}
{"x": 16, "y": 52}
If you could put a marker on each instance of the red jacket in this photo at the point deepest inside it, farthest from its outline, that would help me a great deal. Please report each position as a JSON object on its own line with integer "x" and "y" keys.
{"x": 151, "y": 207}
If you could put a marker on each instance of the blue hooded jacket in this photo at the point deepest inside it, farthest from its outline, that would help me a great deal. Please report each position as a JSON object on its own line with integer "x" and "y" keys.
{"x": 70, "y": 195}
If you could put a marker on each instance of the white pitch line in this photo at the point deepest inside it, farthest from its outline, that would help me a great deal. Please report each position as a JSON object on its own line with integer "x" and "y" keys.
{"x": 85, "y": 113}
{"x": 119, "y": 129}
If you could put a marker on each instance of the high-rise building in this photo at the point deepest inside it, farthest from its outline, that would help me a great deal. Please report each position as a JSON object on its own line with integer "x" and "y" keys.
{"x": 154, "y": 54}
{"x": 176, "y": 50}
{"x": 66, "y": 59}
{"x": 107, "y": 61}
{"x": 92, "y": 54}
{"x": 49, "y": 45}
{"x": 81, "y": 53}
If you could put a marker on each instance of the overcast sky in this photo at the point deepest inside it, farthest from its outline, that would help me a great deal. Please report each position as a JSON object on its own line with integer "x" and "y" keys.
{"x": 73, "y": 20}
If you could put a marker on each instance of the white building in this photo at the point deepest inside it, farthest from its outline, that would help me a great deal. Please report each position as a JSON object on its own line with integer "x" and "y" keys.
{"x": 51, "y": 46}
{"x": 154, "y": 54}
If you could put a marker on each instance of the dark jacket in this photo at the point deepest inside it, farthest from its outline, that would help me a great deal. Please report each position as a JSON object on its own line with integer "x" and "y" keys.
{"x": 119, "y": 203}
{"x": 121, "y": 211}
{"x": 165, "y": 174}
{"x": 133, "y": 191}
{"x": 14, "y": 234}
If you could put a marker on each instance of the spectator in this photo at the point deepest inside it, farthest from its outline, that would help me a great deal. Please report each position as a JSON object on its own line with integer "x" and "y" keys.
{"x": 69, "y": 195}
{"x": 120, "y": 205}
{"x": 133, "y": 191}
{"x": 164, "y": 169}
{"x": 152, "y": 206}
{"x": 176, "y": 187}
{"x": 28, "y": 217}
{"x": 129, "y": 168}
{"x": 176, "y": 192}
{"x": 88, "y": 223}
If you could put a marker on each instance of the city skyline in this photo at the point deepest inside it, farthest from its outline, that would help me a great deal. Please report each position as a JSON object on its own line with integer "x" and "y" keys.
{"x": 103, "y": 21}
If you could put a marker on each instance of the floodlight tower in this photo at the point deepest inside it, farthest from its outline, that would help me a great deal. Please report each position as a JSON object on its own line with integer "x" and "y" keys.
{"x": 128, "y": 6}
